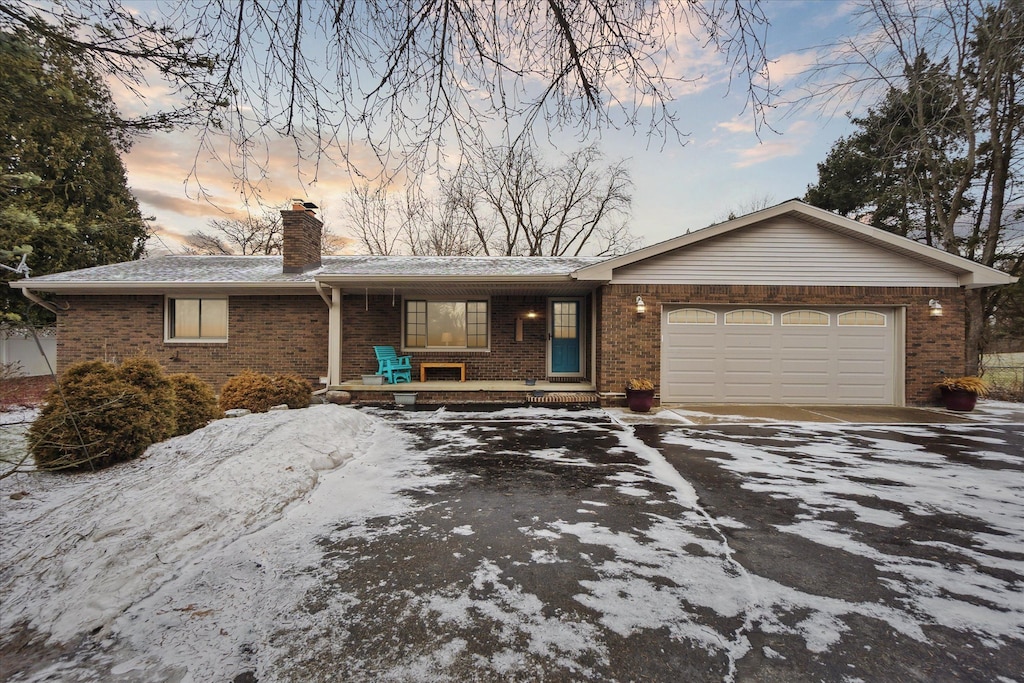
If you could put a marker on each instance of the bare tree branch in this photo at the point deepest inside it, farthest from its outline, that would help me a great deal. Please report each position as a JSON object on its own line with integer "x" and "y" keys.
{"x": 379, "y": 86}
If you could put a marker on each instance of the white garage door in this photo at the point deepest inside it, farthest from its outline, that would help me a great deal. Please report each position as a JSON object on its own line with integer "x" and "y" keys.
{"x": 731, "y": 354}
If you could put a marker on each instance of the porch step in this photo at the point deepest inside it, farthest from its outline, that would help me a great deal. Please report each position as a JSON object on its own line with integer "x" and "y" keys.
{"x": 565, "y": 397}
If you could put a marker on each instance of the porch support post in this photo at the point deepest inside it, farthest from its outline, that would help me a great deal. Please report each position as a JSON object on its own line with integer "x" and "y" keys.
{"x": 334, "y": 339}
{"x": 593, "y": 338}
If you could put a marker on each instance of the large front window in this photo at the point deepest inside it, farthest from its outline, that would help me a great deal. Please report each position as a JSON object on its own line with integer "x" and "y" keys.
{"x": 197, "y": 319}
{"x": 445, "y": 324}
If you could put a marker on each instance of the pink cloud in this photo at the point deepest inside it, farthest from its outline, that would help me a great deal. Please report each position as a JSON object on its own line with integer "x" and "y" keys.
{"x": 791, "y": 143}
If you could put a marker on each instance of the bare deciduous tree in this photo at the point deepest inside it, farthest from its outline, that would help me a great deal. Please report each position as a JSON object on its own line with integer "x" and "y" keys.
{"x": 406, "y": 78}
{"x": 249, "y": 236}
{"x": 754, "y": 202}
{"x": 377, "y": 219}
{"x": 519, "y": 205}
{"x": 950, "y": 76}
{"x": 505, "y": 202}
{"x": 252, "y": 236}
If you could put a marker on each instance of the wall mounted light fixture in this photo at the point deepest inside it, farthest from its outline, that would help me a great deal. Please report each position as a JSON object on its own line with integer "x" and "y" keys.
{"x": 935, "y": 308}
{"x": 641, "y": 307}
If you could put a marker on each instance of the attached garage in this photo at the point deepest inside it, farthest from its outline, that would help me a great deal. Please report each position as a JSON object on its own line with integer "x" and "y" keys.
{"x": 774, "y": 354}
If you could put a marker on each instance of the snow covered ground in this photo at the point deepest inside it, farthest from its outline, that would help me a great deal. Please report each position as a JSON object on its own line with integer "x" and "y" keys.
{"x": 332, "y": 543}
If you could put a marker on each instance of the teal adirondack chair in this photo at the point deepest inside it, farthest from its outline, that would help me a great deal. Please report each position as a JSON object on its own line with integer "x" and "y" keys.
{"x": 393, "y": 367}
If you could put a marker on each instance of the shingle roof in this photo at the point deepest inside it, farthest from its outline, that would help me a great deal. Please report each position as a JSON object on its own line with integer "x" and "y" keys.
{"x": 267, "y": 269}
{"x": 455, "y": 266}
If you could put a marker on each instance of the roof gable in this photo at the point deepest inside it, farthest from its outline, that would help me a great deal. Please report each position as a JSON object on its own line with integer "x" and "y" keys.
{"x": 794, "y": 243}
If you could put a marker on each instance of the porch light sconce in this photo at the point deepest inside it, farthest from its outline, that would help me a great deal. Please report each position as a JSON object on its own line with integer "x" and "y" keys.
{"x": 531, "y": 314}
{"x": 935, "y": 308}
{"x": 641, "y": 307}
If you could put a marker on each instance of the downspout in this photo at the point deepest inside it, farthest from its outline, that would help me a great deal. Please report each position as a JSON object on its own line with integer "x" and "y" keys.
{"x": 51, "y": 307}
{"x": 320, "y": 291}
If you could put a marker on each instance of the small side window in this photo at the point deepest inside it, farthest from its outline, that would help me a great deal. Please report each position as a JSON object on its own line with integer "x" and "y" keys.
{"x": 805, "y": 318}
{"x": 197, "y": 320}
{"x": 692, "y": 316}
{"x": 861, "y": 319}
{"x": 748, "y": 316}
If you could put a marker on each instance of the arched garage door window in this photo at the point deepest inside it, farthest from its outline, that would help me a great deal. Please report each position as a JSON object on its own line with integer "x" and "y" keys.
{"x": 692, "y": 316}
{"x": 805, "y": 318}
{"x": 748, "y": 316}
{"x": 861, "y": 319}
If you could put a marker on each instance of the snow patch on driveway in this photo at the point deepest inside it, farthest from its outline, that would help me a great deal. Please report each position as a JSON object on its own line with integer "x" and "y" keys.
{"x": 890, "y": 480}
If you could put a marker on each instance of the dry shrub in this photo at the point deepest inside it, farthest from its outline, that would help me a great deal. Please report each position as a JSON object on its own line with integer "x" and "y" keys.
{"x": 195, "y": 403}
{"x": 146, "y": 374}
{"x": 100, "y": 414}
{"x": 258, "y": 392}
{"x": 250, "y": 390}
{"x": 293, "y": 390}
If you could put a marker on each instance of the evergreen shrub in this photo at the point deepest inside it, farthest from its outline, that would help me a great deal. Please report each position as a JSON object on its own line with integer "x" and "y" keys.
{"x": 100, "y": 414}
{"x": 258, "y": 392}
{"x": 293, "y": 390}
{"x": 250, "y": 390}
{"x": 195, "y": 403}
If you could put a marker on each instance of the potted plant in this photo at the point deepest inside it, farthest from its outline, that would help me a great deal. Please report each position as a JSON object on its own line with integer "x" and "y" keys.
{"x": 961, "y": 393}
{"x": 639, "y": 395}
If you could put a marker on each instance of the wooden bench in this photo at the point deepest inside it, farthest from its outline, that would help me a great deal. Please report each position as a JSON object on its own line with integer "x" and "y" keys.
{"x": 424, "y": 366}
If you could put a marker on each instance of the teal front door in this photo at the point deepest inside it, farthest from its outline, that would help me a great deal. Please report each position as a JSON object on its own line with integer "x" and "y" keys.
{"x": 565, "y": 337}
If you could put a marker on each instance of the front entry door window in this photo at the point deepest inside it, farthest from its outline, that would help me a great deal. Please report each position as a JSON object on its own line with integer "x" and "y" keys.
{"x": 565, "y": 337}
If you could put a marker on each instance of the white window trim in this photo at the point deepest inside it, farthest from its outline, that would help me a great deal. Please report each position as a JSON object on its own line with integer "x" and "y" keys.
{"x": 713, "y": 321}
{"x": 168, "y": 339}
{"x": 771, "y": 317}
{"x": 448, "y": 349}
{"x": 839, "y": 318}
{"x": 827, "y": 323}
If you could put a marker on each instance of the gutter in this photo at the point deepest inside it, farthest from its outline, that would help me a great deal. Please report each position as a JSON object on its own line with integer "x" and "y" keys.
{"x": 128, "y": 287}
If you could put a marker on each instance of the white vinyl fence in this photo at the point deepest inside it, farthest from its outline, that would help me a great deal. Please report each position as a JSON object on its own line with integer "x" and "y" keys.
{"x": 19, "y": 351}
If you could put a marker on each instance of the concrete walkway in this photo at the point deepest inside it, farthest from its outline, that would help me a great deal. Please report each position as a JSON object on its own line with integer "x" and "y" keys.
{"x": 985, "y": 412}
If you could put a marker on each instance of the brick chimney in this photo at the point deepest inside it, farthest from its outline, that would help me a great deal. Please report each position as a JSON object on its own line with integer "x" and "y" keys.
{"x": 302, "y": 231}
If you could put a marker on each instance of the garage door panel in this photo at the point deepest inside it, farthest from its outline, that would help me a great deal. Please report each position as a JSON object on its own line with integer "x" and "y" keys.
{"x": 748, "y": 342}
{"x": 780, "y": 363}
{"x": 743, "y": 366}
{"x": 806, "y": 366}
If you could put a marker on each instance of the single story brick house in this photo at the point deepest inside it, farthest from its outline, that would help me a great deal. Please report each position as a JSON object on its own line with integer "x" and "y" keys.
{"x": 791, "y": 304}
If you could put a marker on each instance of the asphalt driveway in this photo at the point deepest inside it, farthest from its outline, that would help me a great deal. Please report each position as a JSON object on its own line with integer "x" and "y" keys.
{"x": 563, "y": 548}
{"x": 551, "y": 545}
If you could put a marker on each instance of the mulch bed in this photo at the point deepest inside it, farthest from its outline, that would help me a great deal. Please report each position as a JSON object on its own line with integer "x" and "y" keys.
{"x": 16, "y": 392}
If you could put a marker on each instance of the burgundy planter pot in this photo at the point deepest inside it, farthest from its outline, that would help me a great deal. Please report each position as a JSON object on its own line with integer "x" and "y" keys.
{"x": 959, "y": 400}
{"x": 640, "y": 400}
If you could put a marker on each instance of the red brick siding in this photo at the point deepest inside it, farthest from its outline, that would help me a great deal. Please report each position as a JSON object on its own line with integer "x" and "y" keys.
{"x": 374, "y": 321}
{"x": 271, "y": 334}
{"x": 630, "y": 344}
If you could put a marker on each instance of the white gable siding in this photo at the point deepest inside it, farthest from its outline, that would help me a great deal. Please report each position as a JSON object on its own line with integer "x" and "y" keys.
{"x": 784, "y": 251}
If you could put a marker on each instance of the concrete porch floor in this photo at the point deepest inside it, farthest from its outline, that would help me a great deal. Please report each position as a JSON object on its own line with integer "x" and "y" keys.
{"x": 469, "y": 386}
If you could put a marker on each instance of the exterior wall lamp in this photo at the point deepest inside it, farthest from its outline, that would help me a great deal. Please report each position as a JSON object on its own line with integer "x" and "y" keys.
{"x": 532, "y": 315}
{"x": 935, "y": 308}
{"x": 641, "y": 307}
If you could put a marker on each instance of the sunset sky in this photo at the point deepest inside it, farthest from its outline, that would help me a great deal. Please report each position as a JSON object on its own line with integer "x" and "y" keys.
{"x": 723, "y": 166}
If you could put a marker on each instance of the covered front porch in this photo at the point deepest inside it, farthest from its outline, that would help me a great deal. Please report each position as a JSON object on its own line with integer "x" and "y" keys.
{"x": 528, "y": 334}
